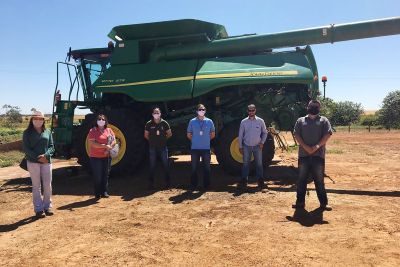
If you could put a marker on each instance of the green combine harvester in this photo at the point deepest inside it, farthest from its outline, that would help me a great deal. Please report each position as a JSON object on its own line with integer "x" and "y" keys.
{"x": 177, "y": 64}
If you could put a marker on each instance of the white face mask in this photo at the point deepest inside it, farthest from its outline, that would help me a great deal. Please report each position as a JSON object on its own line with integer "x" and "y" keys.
{"x": 37, "y": 123}
{"x": 101, "y": 123}
{"x": 201, "y": 113}
{"x": 157, "y": 116}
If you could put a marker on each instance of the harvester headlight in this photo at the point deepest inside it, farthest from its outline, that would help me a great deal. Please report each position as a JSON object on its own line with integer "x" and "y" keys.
{"x": 118, "y": 38}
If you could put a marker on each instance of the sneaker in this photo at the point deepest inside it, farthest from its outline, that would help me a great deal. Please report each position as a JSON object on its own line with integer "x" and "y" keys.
{"x": 105, "y": 195}
{"x": 325, "y": 207}
{"x": 298, "y": 206}
{"x": 261, "y": 185}
{"x": 48, "y": 212}
{"x": 97, "y": 197}
{"x": 39, "y": 214}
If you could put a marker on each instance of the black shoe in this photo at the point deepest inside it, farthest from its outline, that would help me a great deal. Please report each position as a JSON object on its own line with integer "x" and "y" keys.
{"x": 97, "y": 196}
{"x": 261, "y": 184}
{"x": 39, "y": 214}
{"x": 192, "y": 188}
{"x": 105, "y": 195}
{"x": 298, "y": 206}
{"x": 325, "y": 207}
{"x": 49, "y": 212}
{"x": 242, "y": 185}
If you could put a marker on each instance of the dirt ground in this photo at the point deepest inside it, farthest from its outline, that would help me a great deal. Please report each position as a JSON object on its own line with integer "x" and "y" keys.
{"x": 221, "y": 227}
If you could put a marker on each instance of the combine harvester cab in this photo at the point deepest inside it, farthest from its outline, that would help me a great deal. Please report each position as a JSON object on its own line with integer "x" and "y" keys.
{"x": 177, "y": 64}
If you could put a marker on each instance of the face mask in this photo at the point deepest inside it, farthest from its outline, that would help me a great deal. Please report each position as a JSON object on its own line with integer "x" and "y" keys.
{"x": 313, "y": 110}
{"x": 201, "y": 113}
{"x": 101, "y": 123}
{"x": 156, "y": 116}
{"x": 37, "y": 123}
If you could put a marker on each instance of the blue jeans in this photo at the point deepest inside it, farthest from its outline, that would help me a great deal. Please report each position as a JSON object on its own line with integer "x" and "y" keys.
{"x": 163, "y": 154}
{"x": 205, "y": 155}
{"x": 314, "y": 166}
{"x": 247, "y": 152}
{"x": 100, "y": 169}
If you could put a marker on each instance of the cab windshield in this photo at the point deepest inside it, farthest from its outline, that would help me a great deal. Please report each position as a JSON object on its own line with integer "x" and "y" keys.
{"x": 94, "y": 67}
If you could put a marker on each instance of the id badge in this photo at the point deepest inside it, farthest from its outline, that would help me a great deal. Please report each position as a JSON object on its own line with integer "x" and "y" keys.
{"x": 201, "y": 132}
{"x": 158, "y": 132}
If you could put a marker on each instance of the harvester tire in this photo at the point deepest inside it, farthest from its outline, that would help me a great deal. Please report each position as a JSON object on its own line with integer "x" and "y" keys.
{"x": 128, "y": 128}
{"x": 227, "y": 150}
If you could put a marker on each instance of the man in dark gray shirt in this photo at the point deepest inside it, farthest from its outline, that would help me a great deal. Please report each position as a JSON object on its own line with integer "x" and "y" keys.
{"x": 312, "y": 132}
{"x": 252, "y": 136}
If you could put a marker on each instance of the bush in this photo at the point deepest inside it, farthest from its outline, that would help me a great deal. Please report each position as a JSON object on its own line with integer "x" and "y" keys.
{"x": 369, "y": 120}
{"x": 346, "y": 113}
{"x": 389, "y": 114}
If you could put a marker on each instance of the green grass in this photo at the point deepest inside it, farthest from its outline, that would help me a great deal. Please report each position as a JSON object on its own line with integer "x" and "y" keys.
{"x": 292, "y": 149}
{"x": 336, "y": 142}
{"x": 358, "y": 128}
{"x": 9, "y": 135}
{"x": 334, "y": 151}
{"x": 10, "y": 158}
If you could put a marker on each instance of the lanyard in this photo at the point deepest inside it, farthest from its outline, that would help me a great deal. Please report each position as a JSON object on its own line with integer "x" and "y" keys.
{"x": 201, "y": 124}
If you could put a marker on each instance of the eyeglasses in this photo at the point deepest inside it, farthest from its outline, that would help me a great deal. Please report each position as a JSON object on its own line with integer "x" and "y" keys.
{"x": 101, "y": 119}
{"x": 251, "y": 110}
{"x": 201, "y": 109}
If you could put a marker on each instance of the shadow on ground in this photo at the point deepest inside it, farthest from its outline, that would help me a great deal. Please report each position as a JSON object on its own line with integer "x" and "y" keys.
{"x": 11, "y": 227}
{"x": 77, "y": 181}
{"x": 306, "y": 218}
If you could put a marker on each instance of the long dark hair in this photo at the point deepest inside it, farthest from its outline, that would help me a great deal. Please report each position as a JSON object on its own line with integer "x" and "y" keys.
{"x": 101, "y": 116}
{"x": 31, "y": 127}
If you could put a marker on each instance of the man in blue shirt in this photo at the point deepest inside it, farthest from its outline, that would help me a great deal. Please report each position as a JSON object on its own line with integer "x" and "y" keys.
{"x": 200, "y": 131}
{"x": 252, "y": 136}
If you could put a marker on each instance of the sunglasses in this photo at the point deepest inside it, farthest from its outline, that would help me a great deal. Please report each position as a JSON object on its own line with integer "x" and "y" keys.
{"x": 201, "y": 109}
{"x": 251, "y": 110}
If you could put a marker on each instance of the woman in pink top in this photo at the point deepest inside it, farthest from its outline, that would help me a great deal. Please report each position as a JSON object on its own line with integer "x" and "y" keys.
{"x": 101, "y": 141}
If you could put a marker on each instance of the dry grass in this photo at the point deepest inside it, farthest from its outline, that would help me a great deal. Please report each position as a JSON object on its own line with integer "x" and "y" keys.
{"x": 10, "y": 158}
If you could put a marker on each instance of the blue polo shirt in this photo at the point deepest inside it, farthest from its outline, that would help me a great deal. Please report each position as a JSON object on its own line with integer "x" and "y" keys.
{"x": 201, "y": 130}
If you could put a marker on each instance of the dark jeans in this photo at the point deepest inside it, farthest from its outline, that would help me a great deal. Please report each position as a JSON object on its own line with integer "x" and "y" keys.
{"x": 314, "y": 166}
{"x": 100, "y": 169}
{"x": 163, "y": 154}
{"x": 257, "y": 152}
{"x": 205, "y": 155}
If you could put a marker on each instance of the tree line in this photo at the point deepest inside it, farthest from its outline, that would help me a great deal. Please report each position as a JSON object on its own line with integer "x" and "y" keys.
{"x": 345, "y": 113}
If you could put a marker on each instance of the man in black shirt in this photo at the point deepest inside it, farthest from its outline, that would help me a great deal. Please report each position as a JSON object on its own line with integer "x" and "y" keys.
{"x": 157, "y": 131}
{"x": 312, "y": 132}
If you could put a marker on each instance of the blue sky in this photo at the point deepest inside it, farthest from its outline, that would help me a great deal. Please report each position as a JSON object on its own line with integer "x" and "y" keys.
{"x": 36, "y": 34}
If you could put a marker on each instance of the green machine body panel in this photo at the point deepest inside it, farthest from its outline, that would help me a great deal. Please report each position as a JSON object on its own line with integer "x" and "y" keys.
{"x": 289, "y": 67}
{"x": 151, "y": 82}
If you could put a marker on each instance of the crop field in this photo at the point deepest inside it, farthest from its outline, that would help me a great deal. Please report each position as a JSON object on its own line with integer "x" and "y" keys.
{"x": 220, "y": 227}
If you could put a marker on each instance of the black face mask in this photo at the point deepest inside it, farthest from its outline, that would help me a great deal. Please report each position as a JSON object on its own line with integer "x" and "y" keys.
{"x": 313, "y": 110}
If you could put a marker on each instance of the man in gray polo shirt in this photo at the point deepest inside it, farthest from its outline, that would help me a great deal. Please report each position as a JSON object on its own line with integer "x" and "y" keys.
{"x": 312, "y": 132}
{"x": 252, "y": 136}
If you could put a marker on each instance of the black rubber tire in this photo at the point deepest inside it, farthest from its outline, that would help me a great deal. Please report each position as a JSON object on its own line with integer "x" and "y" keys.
{"x": 132, "y": 126}
{"x": 223, "y": 153}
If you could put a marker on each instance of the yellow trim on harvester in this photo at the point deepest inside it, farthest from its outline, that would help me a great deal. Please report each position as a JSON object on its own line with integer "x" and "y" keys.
{"x": 209, "y": 76}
